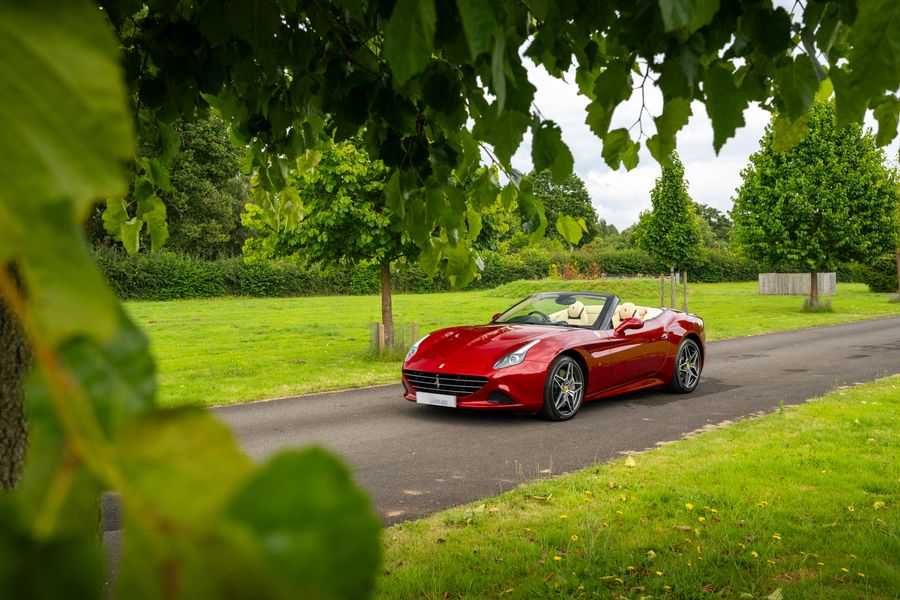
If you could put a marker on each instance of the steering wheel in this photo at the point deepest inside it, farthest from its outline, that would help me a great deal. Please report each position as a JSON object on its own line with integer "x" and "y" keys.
{"x": 539, "y": 313}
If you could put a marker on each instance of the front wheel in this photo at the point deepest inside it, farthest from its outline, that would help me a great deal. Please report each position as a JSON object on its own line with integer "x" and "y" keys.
{"x": 688, "y": 365}
{"x": 564, "y": 390}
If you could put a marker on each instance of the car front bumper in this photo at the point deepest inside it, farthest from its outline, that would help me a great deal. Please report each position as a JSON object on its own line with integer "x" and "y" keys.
{"x": 516, "y": 388}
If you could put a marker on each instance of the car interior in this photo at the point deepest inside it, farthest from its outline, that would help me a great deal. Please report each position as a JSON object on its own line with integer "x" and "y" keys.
{"x": 578, "y": 313}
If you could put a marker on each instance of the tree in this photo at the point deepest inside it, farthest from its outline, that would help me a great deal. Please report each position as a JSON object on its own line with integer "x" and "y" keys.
{"x": 288, "y": 76}
{"x": 715, "y": 226}
{"x": 342, "y": 218}
{"x": 206, "y": 195}
{"x": 567, "y": 206}
{"x": 829, "y": 199}
{"x": 670, "y": 231}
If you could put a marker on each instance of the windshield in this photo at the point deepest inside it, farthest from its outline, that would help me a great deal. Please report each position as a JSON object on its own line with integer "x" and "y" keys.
{"x": 564, "y": 310}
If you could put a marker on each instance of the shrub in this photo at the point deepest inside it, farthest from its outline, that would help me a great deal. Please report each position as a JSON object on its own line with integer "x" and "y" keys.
{"x": 880, "y": 276}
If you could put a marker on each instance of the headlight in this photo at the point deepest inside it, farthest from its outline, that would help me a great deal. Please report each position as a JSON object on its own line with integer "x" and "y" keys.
{"x": 515, "y": 357}
{"x": 414, "y": 348}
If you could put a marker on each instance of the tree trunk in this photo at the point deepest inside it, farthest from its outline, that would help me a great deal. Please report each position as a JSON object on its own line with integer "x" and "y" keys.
{"x": 672, "y": 275}
{"x": 814, "y": 289}
{"x": 15, "y": 358}
{"x": 897, "y": 257}
{"x": 684, "y": 277}
{"x": 387, "y": 312}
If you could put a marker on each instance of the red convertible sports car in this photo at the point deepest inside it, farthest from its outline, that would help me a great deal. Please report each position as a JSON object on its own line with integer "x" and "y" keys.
{"x": 552, "y": 352}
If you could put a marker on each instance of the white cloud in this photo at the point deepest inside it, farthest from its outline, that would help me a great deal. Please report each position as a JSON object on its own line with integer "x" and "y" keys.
{"x": 620, "y": 196}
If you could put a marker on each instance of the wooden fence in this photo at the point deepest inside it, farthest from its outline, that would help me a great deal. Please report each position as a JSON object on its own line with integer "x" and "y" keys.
{"x": 795, "y": 284}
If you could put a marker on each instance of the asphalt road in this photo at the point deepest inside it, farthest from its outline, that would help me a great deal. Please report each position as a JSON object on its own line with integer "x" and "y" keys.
{"x": 415, "y": 460}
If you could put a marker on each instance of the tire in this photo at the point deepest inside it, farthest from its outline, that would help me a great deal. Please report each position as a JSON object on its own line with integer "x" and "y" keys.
{"x": 564, "y": 390}
{"x": 688, "y": 366}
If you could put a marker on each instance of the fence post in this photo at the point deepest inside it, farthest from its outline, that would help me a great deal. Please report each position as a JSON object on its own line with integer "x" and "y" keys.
{"x": 685, "y": 291}
{"x": 415, "y": 332}
{"x": 662, "y": 290}
{"x": 672, "y": 275}
{"x": 381, "y": 338}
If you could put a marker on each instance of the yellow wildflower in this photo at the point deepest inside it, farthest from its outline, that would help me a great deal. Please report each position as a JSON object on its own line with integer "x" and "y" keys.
{"x": 557, "y": 557}
{"x": 667, "y": 587}
{"x": 659, "y": 573}
{"x": 574, "y": 537}
{"x": 754, "y": 554}
{"x": 763, "y": 504}
{"x": 776, "y": 536}
{"x": 861, "y": 574}
{"x": 563, "y": 516}
{"x": 701, "y": 519}
{"x": 845, "y": 570}
{"x": 689, "y": 506}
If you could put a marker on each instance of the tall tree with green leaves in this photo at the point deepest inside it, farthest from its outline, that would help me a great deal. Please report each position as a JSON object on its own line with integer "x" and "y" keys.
{"x": 827, "y": 200}
{"x": 288, "y": 76}
{"x": 341, "y": 218}
{"x": 205, "y": 195}
{"x": 568, "y": 207}
{"x": 715, "y": 226}
{"x": 670, "y": 231}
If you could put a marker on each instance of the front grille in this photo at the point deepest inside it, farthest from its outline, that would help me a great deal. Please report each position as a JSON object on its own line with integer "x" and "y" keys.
{"x": 445, "y": 383}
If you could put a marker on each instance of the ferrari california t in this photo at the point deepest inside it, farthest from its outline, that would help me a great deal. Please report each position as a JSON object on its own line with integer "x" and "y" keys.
{"x": 554, "y": 351}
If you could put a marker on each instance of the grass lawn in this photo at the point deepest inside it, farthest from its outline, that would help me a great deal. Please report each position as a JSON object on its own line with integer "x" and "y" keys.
{"x": 804, "y": 503}
{"x": 227, "y": 350}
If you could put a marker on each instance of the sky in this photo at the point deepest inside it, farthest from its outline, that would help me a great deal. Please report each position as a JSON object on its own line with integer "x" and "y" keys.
{"x": 620, "y": 196}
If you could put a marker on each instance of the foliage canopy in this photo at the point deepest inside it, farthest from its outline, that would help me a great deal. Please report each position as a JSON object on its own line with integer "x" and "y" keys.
{"x": 287, "y": 77}
{"x": 670, "y": 231}
{"x": 828, "y": 200}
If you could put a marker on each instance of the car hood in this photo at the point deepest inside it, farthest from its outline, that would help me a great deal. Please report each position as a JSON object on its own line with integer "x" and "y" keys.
{"x": 483, "y": 341}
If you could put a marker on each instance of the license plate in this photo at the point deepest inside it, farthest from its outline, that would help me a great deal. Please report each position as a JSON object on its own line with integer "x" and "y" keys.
{"x": 436, "y": 399}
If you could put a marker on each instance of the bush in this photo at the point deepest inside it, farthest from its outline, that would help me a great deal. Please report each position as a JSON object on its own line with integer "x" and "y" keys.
{"x": 880, "y": 276}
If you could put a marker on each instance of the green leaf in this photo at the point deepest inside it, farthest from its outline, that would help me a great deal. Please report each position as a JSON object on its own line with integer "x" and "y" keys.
{"x": 503, "y": 132}
{"x": 409, "y": 38}
{"x": 130, "y": 234}
{"x": 153, "y": 212}
{"x": 498, "y": 70}
{"x": 725, "y": 104}
{"x": 617, "y": 147}
{"x": 159, "y": 173}
{"x": 114, "y": 216}
{"x": 887, "y": 113}
{"x": 67, "y": 294}
{"x": 797, "y": 84}
{"x": 66, "y": 127}
{"x": 548, "y": 151}
{"x": 167, "y": 456}
{"x": 77, "y": 561}
{"x": 301, "y": 503}
{"x": 479, "y": 23}
{"x": 675, "y": 115}
{"x": 688, "y": 14}
{"x": 788, "y": 133}
{"x": 875, "y": 57}
{"x": 570, "y": 229}
{"x": 474, "y": 221}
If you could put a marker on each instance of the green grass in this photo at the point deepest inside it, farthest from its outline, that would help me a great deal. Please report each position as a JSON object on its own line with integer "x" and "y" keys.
{"x": 805, "y": 501}
{"x": 227, "y": 350}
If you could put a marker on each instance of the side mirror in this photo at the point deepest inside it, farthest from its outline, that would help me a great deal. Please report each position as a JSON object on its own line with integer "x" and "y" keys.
{"x": 629, "y": 323}
{"x": 494, "y": 318}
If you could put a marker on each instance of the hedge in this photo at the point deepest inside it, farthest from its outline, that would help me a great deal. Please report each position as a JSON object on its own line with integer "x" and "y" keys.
{"x": 881, "y": 276}
{"x": 168, "y": 276}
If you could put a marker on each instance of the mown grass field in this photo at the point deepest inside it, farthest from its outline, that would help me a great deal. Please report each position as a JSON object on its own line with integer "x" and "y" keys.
{"x": 227, "y": 350}
{"x": 803, "y": 503}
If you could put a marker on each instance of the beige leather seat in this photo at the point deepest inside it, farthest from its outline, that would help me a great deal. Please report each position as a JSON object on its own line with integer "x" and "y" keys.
{"x": 624, "y": 311}
{"x": 576, "y": 314}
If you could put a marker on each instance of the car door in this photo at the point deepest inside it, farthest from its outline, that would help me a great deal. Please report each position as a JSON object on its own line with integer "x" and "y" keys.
{"x": 619, "y": 359}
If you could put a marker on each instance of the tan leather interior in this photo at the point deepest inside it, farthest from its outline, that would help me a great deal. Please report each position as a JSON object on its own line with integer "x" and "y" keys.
{"x": 627, "y": 310}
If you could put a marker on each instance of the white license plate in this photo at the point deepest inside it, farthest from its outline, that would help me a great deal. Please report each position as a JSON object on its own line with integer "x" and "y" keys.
{"x": 436, "y": 399}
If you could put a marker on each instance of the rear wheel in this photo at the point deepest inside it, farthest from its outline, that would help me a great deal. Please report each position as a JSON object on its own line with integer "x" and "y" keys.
{"x": 688, "y": 365}
{"x": 564, "y": 390}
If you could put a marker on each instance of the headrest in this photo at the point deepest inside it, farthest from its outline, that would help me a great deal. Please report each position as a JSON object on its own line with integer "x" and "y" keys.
{"x": 626, "y": 310}
{"x": 641, "y": 313}
{"x": 575, "y": 310}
